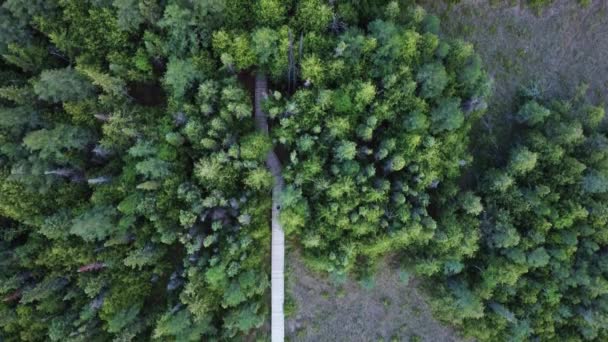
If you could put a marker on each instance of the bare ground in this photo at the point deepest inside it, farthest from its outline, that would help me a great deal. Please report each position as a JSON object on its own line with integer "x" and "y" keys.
{"x": 393, "y": 309}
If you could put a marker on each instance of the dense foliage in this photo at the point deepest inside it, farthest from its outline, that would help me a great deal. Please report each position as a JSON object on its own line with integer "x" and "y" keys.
{"x": 134, "y": 198}
{"x": 382, "y": 124}
{"x": 540, "y": 272}
{"x": 125, "y": 213}
{"x": 135, "y": 202}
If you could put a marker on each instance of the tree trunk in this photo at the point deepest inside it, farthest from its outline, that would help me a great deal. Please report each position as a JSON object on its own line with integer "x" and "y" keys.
{"x": 277, "y": 286}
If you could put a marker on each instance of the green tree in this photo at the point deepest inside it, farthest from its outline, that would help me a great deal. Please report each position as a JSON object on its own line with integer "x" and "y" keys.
{"x": 95, "y": 224}
{"x": 313, "y": 15}
{"x": 56, "y": 144}
{"x": 180, "y": 76}
{"x": 447, "y": 116}
{"x": 61, "y": 85}
{"x": 270, "y": 13}
{"x": 433, "y": 79}
{"x": 522, "y": 160}
{"x": 532, "y": 113}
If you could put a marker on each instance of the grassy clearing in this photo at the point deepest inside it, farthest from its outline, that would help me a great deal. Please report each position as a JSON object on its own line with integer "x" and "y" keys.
{"x": 562, "y": 47}
{"x": 388, "y": 307}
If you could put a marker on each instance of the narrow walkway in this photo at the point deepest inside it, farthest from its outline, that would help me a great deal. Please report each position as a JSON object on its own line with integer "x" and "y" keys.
{"x": 277, "y": 277}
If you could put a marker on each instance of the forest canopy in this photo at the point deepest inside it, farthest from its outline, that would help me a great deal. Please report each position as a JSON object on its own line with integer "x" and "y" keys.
{"x": 136, "y": 197}
{"x": 540, "y": 271}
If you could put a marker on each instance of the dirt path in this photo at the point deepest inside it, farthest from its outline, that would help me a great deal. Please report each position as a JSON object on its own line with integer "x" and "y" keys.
{"x": 277, "y": 287}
